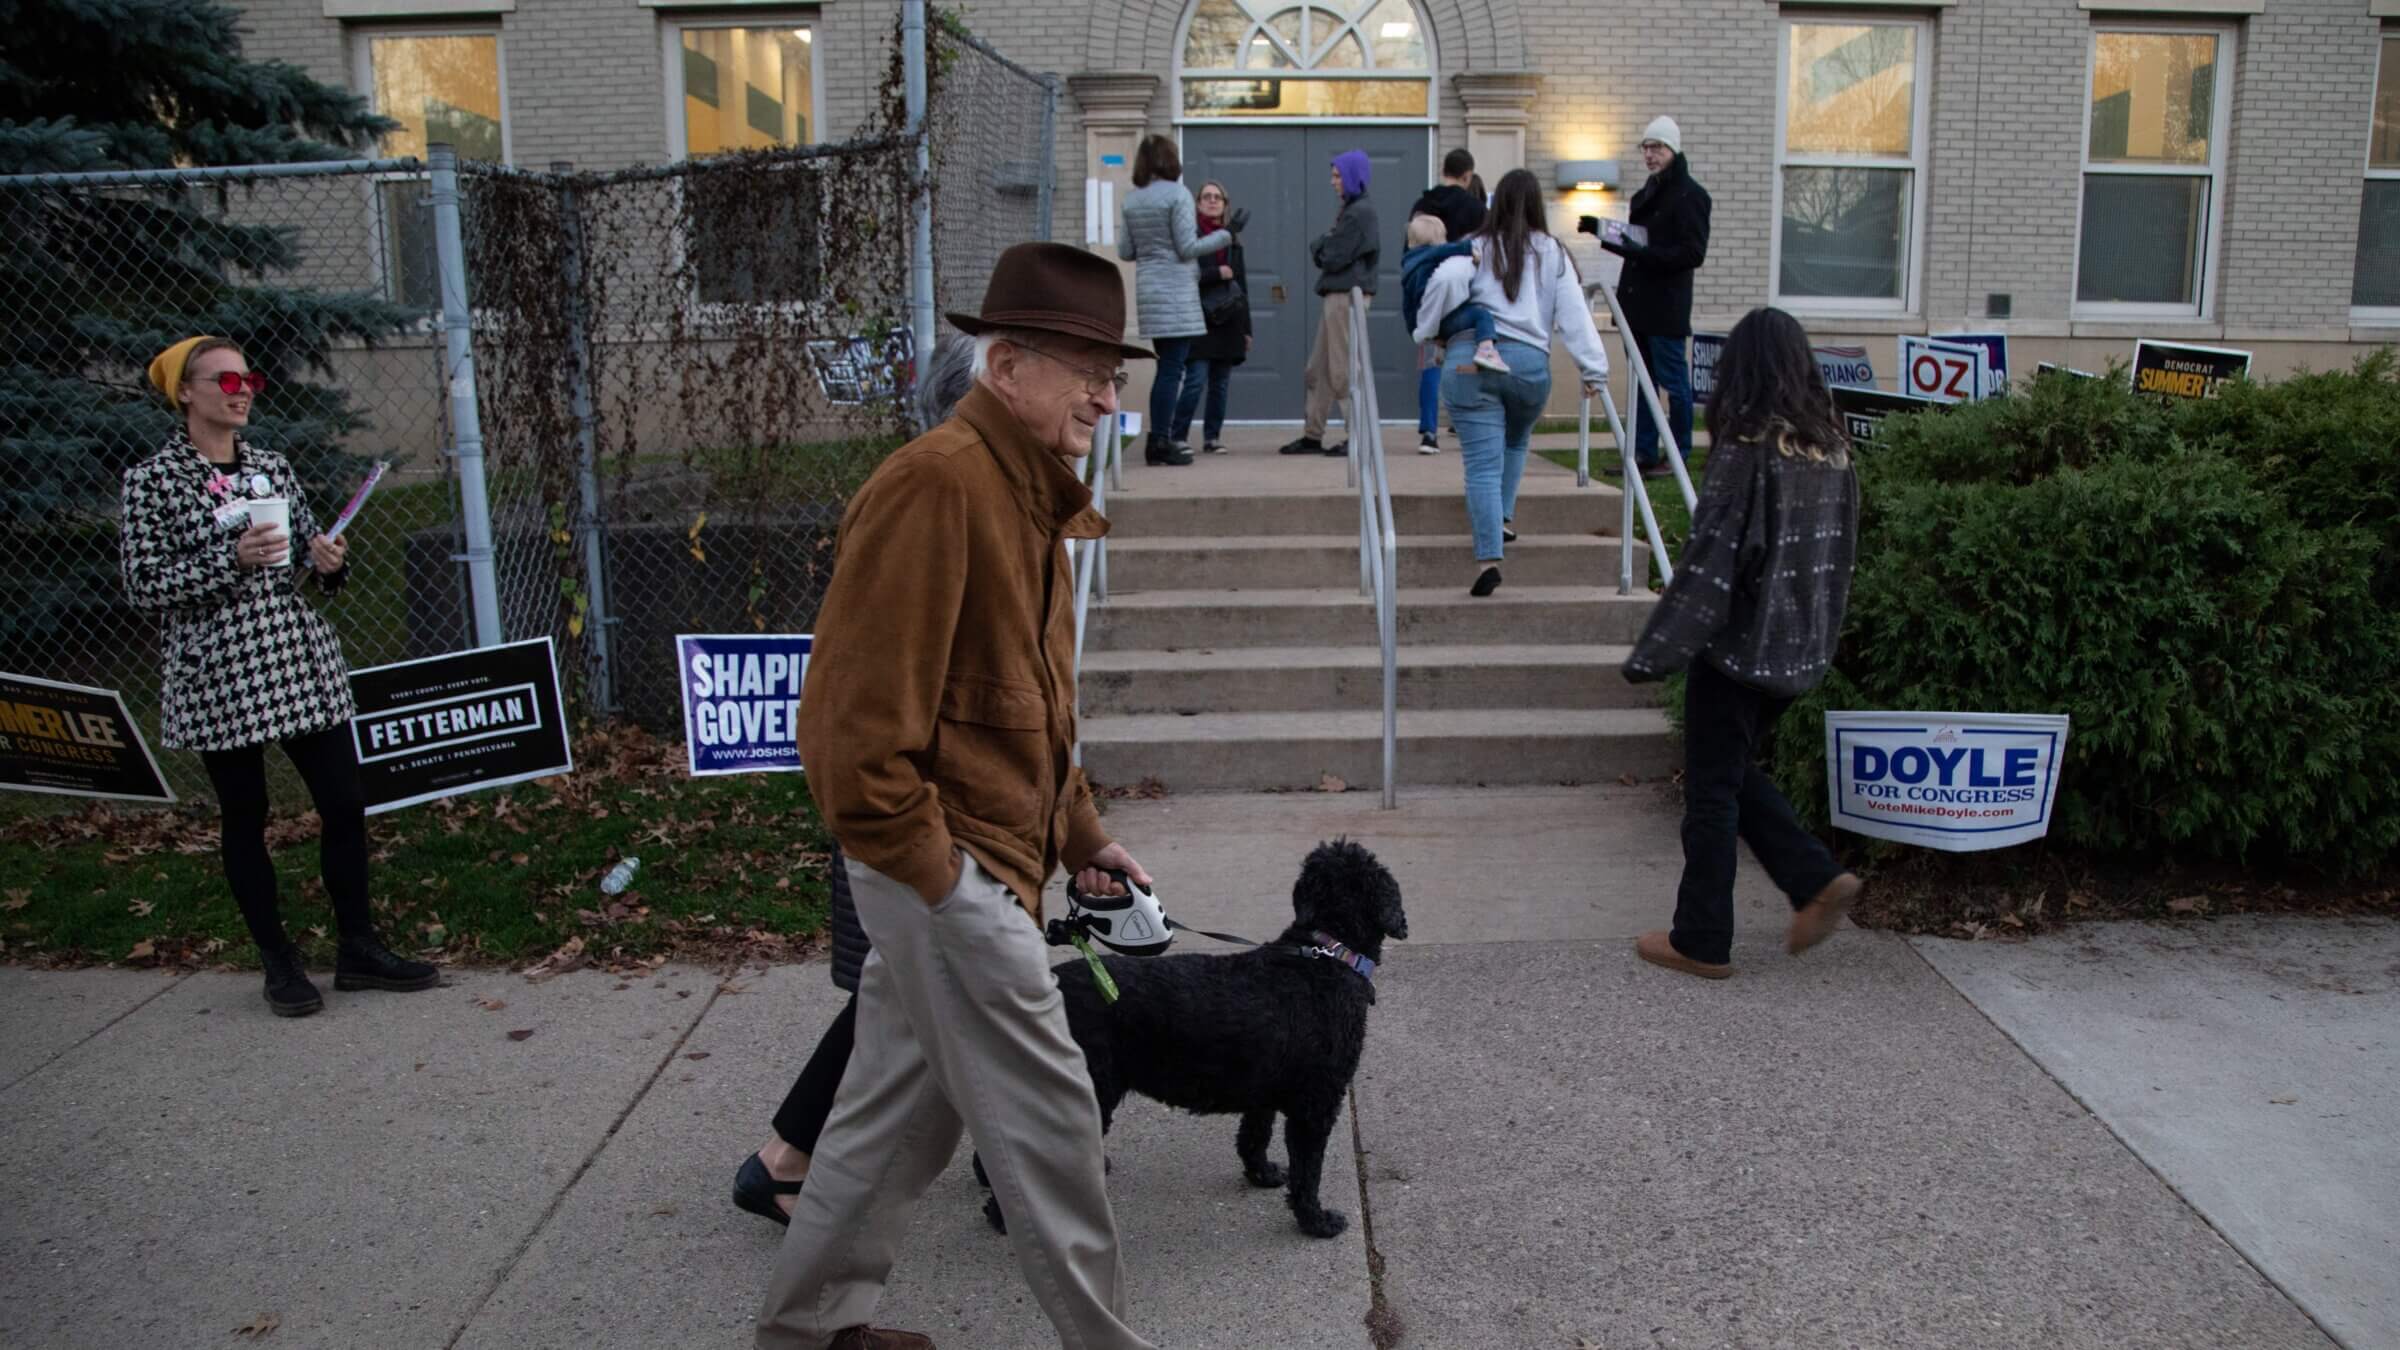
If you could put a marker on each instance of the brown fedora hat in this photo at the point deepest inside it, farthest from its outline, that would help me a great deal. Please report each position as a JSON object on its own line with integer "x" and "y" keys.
{"x": 1055, "y": 288}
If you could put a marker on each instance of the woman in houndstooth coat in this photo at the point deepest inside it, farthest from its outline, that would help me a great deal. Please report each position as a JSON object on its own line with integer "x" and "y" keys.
{"x": 248, "y": 661}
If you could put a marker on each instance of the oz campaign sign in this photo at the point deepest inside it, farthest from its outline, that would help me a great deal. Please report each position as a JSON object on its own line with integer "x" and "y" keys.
{"x": 2174, "y": 370}
{"x": 1863, "y": 410}
{"x": 74, "y": 740}
{"x": 458, "y": 723}
{"x": 1960, "y": 782}
{"x": 1706, "y": 348}
{"x": 741, "y": 699}
{"x": 1946, "y": 372}
{"x": 1995, "y": 358}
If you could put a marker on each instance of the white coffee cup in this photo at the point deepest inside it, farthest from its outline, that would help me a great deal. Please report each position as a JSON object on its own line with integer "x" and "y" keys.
{"x": 275, "y": 511}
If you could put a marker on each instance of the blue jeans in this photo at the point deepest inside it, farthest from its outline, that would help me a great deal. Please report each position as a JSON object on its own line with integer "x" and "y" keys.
{"x": 1213, "y": 377}
{"x": 1429, "y": 398}
{"x": 1167, "y": 389}
{"x": 1671, "y": 370}
{"x": 1494, "y": 415}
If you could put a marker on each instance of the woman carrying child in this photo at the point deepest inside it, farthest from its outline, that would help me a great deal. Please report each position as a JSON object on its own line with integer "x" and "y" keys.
{"x": 1522, "y": 278}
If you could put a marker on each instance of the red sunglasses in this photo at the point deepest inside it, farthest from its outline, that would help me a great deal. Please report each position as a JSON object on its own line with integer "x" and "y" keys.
{"x": 230, "y": 382}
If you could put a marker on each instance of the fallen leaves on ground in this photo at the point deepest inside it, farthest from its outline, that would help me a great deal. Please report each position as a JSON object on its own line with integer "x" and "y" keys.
{"x": 525, "y": 1033}
{"x": 491, "y": 1004}
{"x": 1330, "y": 783}
{"x": 260, "y": 1327}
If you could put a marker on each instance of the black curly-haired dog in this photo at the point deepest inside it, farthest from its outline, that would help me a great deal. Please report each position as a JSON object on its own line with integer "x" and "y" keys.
{"x": 1273, "y": 1031}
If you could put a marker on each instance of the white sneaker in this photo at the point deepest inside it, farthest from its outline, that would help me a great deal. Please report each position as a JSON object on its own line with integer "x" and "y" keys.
{"x": 1428, "y": 444}
{"x": 1487, "y": 355}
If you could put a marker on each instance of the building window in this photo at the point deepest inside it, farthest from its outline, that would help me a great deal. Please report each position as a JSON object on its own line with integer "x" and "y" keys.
{"x": 739, "y": 86}
{"x": 2153, "y": 171}
{"x": 2375, "y": 285}
{"x": 443, "y": 88}
{"x": 1352, "y": 59}
{"x": 1850, "y": 176}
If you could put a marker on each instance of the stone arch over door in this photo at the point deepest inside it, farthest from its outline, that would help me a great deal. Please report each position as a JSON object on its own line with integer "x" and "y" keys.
{"x": 1470, "y": 35}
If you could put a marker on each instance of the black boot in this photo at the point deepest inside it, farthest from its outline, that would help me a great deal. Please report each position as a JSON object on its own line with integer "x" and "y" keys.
{"x": 1305, "y": 445}
{"x": 1158, "y": 450}
{"x": 365, "y": 963}
{"x": 289, "y": 992}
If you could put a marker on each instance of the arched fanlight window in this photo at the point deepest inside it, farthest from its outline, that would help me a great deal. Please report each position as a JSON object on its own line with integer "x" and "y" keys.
{"x": 1332, "y": 58}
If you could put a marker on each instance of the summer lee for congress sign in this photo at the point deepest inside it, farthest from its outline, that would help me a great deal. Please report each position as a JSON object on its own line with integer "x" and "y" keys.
{"x": 741, "y": 699}
{"x": 1961, "y": 782}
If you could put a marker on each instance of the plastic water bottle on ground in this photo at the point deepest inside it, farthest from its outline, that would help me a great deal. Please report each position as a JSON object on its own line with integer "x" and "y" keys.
{"x": 619, "y": 877}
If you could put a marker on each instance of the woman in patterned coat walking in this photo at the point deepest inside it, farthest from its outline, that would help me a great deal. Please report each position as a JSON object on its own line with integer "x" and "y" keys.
{"x": 1162, "y": 240}
{"x": 248, "y": 661}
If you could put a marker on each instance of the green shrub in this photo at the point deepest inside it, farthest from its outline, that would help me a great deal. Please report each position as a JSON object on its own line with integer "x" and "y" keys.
{"x": 2207, "y": 590}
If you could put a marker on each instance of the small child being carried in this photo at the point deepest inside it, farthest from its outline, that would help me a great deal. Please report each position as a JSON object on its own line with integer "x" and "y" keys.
{"x": 1427, "y": 251}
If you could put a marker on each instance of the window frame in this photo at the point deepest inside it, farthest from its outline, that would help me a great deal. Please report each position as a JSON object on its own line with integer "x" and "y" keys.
{"x": 672, "y": 25}
{"x": 1912, "y": 263}
{"x": 362, "y": 38}
{"x": 2203, "y": 307}
{"x": 2387, "y": 45}
{"x": 1430, "y": 74}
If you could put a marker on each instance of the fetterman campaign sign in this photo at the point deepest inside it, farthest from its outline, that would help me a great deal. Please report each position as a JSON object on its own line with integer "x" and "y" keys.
{"x": 451, "y": 724}
{"x": 741, "y": 699}
{"x": 73, "y": 739}
{"x": 1961, "y": 782}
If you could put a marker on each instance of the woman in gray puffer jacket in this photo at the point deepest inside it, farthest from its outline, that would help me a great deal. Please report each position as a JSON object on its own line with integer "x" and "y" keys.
{"x": 1162, "y": 239}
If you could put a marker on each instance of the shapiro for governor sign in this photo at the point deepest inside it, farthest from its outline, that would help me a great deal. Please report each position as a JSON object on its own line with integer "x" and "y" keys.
{"x": 1960, "y": 782}
{"x": 73, "y": 739}
{"x": 741, "y": 701}
{"x": 458, "y": 723}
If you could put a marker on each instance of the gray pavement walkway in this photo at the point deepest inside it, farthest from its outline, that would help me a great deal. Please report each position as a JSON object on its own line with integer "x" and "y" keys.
{"x": 1561, "y": 1147}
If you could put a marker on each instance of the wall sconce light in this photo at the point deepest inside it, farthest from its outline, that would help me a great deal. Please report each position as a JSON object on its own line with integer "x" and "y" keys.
{"x": 1587, "y": 175}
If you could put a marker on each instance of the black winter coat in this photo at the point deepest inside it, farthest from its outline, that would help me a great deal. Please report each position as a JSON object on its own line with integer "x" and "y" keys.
{"x": 1656, "y": 288}
{"x": 849, "y": 940}
{"x": 1228, "y": 342}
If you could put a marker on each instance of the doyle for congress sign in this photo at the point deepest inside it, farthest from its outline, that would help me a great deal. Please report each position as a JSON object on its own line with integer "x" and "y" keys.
{"x": 73, "y": 739}
{"x": 741, "y": 699}
{"x": 1961, "y": 782}
{"x": 451, "y": 724}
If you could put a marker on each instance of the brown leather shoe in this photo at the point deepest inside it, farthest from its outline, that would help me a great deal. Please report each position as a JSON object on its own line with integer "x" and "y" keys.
{"x": 1658, "y": 950}
{"x": 1817, "y": 919}
{"x": 868, "y": 1338}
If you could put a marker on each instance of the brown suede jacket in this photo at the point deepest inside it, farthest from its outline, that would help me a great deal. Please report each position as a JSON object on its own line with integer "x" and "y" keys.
{"x": 939, "y": 711}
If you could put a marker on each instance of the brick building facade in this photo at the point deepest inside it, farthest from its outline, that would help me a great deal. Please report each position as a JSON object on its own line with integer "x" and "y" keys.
{"x": 2076, "y": 173}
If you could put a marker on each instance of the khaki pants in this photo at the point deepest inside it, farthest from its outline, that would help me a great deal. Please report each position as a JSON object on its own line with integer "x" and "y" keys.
{"x": 959, "y": 1024}
{"x": 1328, "y": 379}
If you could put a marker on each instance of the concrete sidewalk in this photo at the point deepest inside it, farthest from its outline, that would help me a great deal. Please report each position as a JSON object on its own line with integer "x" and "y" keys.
{"x": 1561, "y": 1147}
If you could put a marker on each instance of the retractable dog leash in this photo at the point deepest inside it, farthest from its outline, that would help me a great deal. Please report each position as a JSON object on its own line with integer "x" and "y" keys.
{"x": 1132, "y": 923}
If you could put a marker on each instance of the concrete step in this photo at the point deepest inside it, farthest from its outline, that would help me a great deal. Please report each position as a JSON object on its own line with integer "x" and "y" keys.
{"x": 1305, "y": 679}
{"x": 1267, "y": 561}
{"x": 1329, "y": 616}
{"x": 1294, "y": 751}
{"x": 1138, "y": 516}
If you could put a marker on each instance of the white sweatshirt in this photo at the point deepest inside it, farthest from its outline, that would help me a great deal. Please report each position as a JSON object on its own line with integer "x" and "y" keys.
{"x": 1549, "y": 300}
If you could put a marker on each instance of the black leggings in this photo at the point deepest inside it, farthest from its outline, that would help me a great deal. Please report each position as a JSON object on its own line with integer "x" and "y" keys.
{"x": 801, "y": 1118}
{"x": 328, "y": 764}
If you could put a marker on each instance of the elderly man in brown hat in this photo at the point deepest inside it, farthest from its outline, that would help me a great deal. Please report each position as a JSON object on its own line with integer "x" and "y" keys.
{"x": 938, "y": 724}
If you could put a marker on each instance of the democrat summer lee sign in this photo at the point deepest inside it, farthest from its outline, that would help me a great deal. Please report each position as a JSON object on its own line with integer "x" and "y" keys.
{"x": 1959, "y": 782}
{"x": 741, "y": 700}
{"x": 75, "y": 740}
{"x": 470, "y": 720}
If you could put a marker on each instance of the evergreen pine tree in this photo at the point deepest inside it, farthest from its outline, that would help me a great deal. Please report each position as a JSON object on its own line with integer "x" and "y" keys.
{"x": 94, "y": 283}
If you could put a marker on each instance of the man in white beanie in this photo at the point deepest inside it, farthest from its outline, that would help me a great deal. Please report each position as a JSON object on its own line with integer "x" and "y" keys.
{"x": 1656, "y": 287}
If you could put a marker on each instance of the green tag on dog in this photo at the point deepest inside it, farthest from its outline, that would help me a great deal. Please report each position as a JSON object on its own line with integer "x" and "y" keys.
{"x": 1108, "y": 987}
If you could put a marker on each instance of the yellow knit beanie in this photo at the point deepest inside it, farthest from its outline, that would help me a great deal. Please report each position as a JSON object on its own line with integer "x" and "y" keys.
{"x": 166, "y": 368}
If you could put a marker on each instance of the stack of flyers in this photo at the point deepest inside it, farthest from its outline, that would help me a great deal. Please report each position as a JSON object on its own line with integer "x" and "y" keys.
{"x": 350, "y": 512}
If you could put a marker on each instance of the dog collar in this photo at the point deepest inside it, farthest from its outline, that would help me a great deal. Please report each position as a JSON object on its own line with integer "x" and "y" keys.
{"x": 1330, "y": 947}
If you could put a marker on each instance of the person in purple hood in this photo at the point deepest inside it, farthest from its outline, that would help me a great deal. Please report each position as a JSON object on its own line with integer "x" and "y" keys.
{"x": 1345, "y": 256}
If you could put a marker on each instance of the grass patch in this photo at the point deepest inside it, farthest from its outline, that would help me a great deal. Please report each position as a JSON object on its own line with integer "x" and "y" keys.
{"x": 731, "y": 866}
{"x": 1666, "y": 500}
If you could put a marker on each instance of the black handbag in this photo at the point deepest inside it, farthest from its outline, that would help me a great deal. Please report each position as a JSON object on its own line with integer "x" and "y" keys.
{"x": 1221, "y": 303}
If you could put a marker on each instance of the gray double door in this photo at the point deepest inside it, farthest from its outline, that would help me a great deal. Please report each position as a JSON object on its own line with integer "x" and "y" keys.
{"x": 1283, "y": 175}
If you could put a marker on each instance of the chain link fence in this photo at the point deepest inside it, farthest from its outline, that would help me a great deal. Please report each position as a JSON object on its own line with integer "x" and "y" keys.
{"x": 682, "y": 375}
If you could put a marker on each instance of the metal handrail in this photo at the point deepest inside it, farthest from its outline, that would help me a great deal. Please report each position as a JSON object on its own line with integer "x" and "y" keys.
{"x": 1102, "y": 469}
{"x": 1378, "y": 534}
{"x": 1635, "y": 362}
{"x": 1636, "y": 492}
